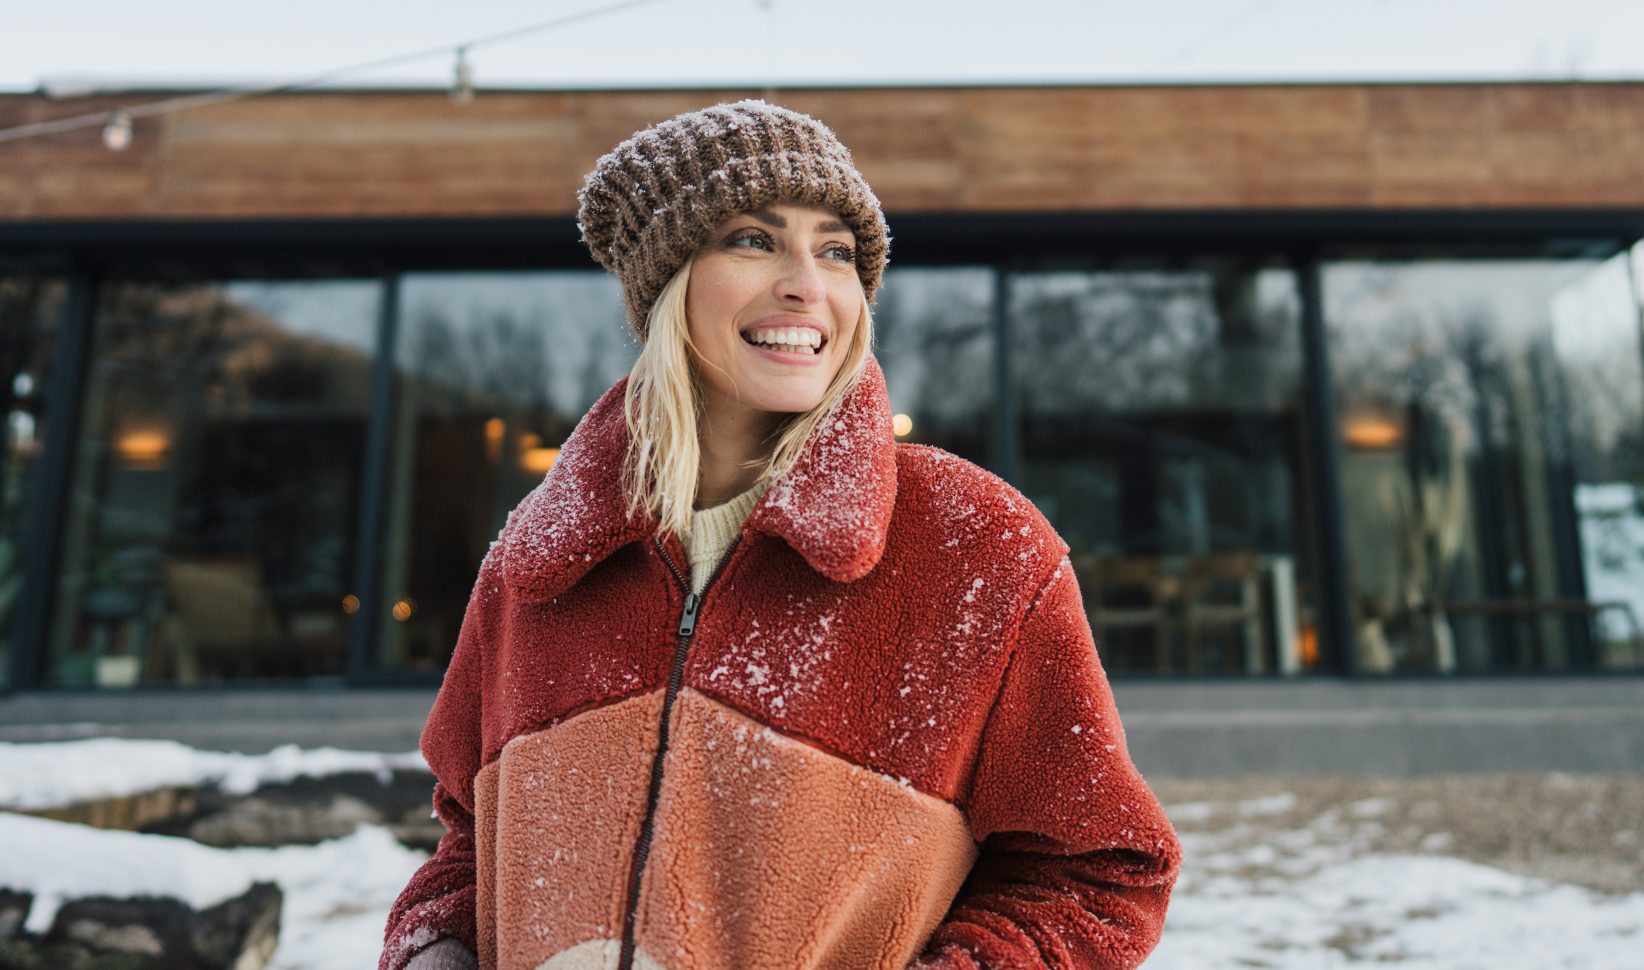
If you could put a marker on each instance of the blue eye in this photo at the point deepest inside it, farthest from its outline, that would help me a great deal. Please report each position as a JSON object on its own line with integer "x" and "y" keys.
{"x": 749, "y": 235}
{"x": 843, "y": 254}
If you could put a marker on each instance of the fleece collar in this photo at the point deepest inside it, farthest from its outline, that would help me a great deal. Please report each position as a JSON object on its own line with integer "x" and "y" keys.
{"x": 833, "y": 507}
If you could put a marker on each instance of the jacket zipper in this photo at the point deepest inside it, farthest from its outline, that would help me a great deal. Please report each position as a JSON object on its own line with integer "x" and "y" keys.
{"x": 687, "y": 626}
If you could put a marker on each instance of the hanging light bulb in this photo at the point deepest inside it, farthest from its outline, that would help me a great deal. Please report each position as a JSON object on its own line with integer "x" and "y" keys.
{"x": 117, "y": 133}
{"x": 462, "y": 78}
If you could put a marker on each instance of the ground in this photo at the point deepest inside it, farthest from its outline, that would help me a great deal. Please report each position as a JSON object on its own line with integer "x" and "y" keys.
{"x": 1521, "y": 872}
{"x": 1492, "y": 871}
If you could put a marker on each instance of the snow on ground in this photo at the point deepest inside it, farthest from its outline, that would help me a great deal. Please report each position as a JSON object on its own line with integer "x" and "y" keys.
{"x": 1300, "y": 900}
{"x": 57, "y": 861}
{"x": 337, "y": 893}
{"x": 54, "y": 774}
{"x": 1279, "y": 874}
{"x": 337, "y": 896}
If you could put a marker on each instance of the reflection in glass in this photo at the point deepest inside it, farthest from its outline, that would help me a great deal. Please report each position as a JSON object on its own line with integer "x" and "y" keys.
{"x": 1160, "y": 432}
{"x": 493, "y": 372}
{"x": 211, "y": 525}
{"x": 1491, "y": 421}
{"x": 29, "y": 310}
{"x": 934, "y": 339}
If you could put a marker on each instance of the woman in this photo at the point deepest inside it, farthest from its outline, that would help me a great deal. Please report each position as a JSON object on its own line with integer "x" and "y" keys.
{"x": 746, "y": 684}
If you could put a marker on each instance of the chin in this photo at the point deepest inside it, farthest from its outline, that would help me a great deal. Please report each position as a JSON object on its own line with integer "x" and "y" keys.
{"x": 786, "y": 401}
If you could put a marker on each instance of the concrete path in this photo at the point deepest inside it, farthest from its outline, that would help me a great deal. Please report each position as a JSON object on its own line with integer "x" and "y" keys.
{"x": 1197, "y": 729}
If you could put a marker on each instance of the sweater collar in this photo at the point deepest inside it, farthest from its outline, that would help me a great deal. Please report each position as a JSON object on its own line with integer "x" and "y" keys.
{"x": 833, "y": 506}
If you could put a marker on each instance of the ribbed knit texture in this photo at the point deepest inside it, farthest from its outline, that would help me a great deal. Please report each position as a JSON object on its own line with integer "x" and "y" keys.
{"x": 712, "y": 531}
{"x": 657, "y": 197}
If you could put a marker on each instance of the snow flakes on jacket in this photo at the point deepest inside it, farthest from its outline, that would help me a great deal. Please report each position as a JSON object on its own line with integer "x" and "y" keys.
{"x": 887, "y": 741}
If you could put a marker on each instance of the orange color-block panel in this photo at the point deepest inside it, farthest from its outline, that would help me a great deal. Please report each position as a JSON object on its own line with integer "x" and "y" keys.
{"x": 569, "y": 801}
{"x": 485, "y": 868}
{"x": 770, "y": 852}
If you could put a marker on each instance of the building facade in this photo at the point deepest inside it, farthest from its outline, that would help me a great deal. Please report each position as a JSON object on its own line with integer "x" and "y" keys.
{"x": 1315, "y": 380}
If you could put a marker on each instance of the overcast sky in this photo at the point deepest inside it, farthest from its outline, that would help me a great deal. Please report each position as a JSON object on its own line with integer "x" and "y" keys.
{"x": 707, "y": 42}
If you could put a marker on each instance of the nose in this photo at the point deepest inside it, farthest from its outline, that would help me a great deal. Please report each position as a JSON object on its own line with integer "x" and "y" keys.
{"x": 800, "y": 281}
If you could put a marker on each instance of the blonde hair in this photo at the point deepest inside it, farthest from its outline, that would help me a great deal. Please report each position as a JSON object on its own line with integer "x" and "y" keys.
{"x": 663, "y": 409}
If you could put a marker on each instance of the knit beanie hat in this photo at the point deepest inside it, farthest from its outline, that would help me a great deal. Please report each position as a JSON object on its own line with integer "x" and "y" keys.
{"x": 657, "y": 197}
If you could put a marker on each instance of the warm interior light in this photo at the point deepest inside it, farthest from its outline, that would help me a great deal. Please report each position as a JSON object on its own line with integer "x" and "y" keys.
{"x": 404, "y": 608}
{"x": 537, "y": 461}
{"x": 1371, "y": 433}
{"x": 351, "y": 604}
{"x": 901, "y": 424}
{"x": 494, "y": 430}
{"x": 143, "y": 448}
{"x": 1309, "y": 646}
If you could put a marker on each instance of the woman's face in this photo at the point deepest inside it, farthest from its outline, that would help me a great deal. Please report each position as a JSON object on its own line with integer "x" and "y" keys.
{"x": 772, "y": 303}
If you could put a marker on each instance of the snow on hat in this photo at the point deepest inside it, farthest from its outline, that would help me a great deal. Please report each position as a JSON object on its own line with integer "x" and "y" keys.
{"x": 655, "y": 198}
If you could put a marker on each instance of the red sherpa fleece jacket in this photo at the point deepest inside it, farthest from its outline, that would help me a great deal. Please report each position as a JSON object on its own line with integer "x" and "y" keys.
{"x": 881, "y": 736}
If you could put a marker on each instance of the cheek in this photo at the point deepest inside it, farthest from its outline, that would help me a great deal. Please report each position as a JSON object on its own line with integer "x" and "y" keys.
{"x": 712, "y": 299}
{"x": 847, "y": 313}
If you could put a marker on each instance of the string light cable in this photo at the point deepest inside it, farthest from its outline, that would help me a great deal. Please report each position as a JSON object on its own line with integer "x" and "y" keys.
{"x": 117, "y": 123}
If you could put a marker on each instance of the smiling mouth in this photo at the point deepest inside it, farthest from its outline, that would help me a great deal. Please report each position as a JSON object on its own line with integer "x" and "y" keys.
{"x": 799, "y": 349}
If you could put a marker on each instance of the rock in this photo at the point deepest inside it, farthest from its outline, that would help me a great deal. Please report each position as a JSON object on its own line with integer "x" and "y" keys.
{"x": 130, "y": 813}
{"x": 242, "y": 933}
{"x": 259, "y": 821}
{"x": 102, "y": 933}
{"x": 14, "y": 912}
{"x": 309, "y": 810}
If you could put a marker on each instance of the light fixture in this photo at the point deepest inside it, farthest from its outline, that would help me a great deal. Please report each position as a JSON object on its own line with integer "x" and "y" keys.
{"x": 537, "y": 461}
{"x": 117, "y": 133}
{"x": 143, "y": 449}
{"x": 495, "y": 428}
{"x": 901, "y": 425}
{"x": 1371, "y": 433}
{"x": 462, "y": 78}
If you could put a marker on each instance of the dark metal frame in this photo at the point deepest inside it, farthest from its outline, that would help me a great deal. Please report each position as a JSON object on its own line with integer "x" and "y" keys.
{"x": 46, "y": 508}
{"x": 372, "y": 517}
{"x": 1323, "y": 474}
{"x": 89, "y": 252}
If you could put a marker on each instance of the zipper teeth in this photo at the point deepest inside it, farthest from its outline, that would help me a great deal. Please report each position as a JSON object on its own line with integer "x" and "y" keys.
{"x": 642, "y": 848}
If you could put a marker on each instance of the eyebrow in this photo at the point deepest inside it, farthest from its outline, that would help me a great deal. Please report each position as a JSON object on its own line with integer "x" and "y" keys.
{"x": 777, "y": 222}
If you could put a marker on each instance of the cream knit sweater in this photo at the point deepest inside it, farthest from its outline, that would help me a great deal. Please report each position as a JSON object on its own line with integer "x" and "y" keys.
{"x": 712, "y": 531}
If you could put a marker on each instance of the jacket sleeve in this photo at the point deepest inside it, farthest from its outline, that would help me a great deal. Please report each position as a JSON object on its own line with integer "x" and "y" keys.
{"x": 438, "y": 902}
{"x": 1077, "y": 858}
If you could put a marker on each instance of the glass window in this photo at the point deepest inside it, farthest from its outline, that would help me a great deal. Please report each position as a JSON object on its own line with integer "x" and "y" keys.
{"x": 211, "y": 528}
{"x": 493, "y": 372}
{"x": 933, "y": 335}
{"x": 1161, "y": 433}
{"x": 29, "y": 310}
{"x": 1491, "y": 418}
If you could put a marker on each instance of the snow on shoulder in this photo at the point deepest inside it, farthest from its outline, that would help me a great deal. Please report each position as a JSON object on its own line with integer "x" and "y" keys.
{"x": 971, "y": 508}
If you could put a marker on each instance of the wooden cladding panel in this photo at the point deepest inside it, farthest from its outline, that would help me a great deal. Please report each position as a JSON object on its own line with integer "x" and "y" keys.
{"x": 929, "y": 149}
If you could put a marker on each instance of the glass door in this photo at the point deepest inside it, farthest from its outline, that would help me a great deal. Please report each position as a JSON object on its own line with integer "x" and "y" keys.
{"x": 211, "y": 526}
{"x": 1160, "y": 431}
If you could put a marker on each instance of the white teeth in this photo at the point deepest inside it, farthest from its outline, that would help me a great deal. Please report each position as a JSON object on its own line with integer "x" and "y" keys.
{"x": 787, "y": 337}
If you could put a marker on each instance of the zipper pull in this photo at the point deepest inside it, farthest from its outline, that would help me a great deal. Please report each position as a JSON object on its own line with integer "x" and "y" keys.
{"x": 687, "y": 620}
